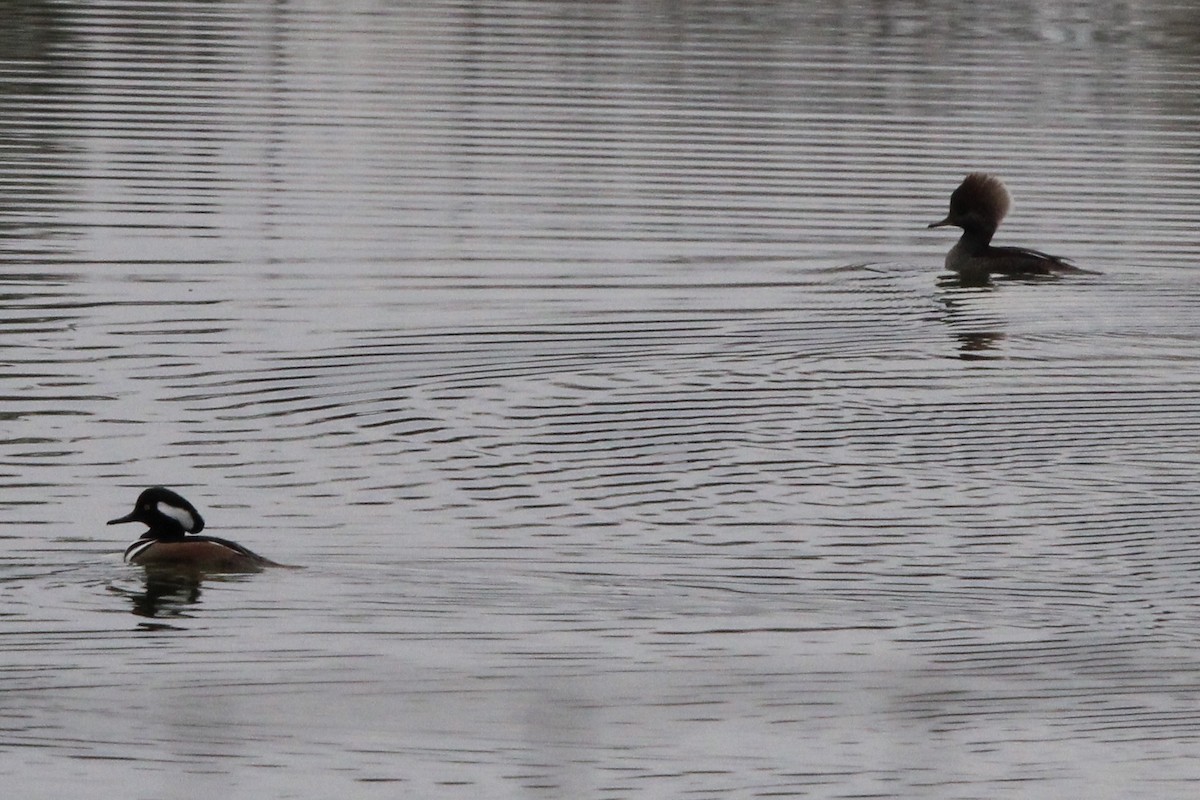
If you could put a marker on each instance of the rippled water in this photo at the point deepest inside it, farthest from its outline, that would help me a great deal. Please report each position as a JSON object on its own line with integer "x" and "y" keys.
{"x": 594, "y": 363}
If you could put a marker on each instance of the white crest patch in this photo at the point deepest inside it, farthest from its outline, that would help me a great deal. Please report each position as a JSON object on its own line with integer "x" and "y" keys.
{"x": 180, "y": 515}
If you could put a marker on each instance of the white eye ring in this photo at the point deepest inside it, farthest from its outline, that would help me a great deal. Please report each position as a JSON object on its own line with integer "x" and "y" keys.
{"x": 180, "y": 515}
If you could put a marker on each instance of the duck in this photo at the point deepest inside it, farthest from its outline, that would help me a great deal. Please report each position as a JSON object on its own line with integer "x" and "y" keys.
{"x": 172, "y": 540}
{"x": 977, "y": 206}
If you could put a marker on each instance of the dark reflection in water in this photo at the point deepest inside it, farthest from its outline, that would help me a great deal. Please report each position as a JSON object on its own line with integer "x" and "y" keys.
{"x": 979, "y": 333}
{"x": 597, "y": 363}
{"x": 167, "y": 593}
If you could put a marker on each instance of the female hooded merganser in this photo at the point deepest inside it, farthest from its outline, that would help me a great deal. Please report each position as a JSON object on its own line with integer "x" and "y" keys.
{"x": 977, "y": 206}
{"x": 170, "y": 542}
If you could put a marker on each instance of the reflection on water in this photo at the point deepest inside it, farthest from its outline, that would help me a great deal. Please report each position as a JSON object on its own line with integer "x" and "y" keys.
{"x": 166, "y": 594}
{"x": 595, "y": 362}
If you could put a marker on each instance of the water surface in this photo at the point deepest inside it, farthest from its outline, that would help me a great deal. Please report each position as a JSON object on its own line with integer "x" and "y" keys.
{"x": 594, "y": 362}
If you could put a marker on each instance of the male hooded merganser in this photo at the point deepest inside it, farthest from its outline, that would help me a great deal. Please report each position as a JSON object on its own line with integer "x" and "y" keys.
{"x": 977, "y": 206}
{"x": 170, "y": 542}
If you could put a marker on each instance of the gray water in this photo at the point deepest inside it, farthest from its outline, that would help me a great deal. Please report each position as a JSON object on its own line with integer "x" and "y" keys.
{"x": 594, "y": 362}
